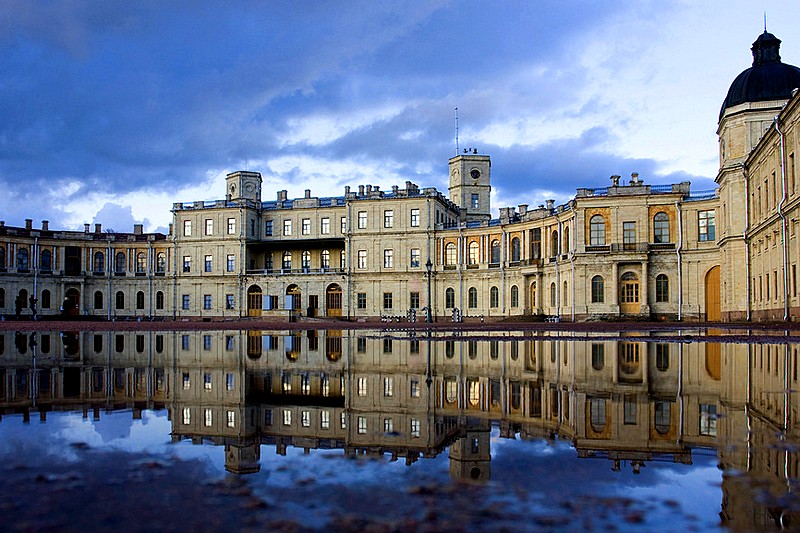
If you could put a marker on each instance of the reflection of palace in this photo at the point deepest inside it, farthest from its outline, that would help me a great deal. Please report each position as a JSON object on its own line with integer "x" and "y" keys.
{"x": 630, "y": 401}
{"x": 627, "y": 250}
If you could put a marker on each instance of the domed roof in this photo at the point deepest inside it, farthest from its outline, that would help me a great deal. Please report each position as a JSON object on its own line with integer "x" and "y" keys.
{"x": 767, "y": 79}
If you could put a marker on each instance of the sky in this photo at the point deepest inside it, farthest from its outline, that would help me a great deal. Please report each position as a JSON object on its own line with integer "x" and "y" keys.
{"x": 111, "y": 111}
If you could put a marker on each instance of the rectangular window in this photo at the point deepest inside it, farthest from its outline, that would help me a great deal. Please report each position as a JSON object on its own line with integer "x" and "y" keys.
{"x": 388, "y": 426}
{"x": 187, "y": 381}
{"x": 306, "y": 226}
{"x": 325, "y": 226}
{"x": 206, "y": 342}
{"x": 187, "y": 228}
{"x": 305, "y": 419}
{"x": 388, "y": 218}
{"x": 187, "y": 416}
{"x": 208, "y": 266}
{"x": 362, "y": 220}
{"x": 344, "y": 225}
{"x": 362, "y": 260}
{"x": 415, "y": 255}
{"x": 230, "y": 264}
{"x": 475, "y": 202}
{"x": 387, "y": 345}
{"x": 362, "y": 425}
{"x": 268, "y": 228}
{"x": 231, "y": 226}
{"x": 629, "y": 235}
{"x": 287, "y": 417}
{"x": 185, "y": 302}
{"x": 209, "y": 226}
{"x": 387, "y": 300}
{"x": 415, "y": 218}
{"x": 207, "y": 381}
{"x": 630, "y": 409}
{"x": 361, "y": 345}
{"x": 388, "y": 259}
{"x": 184, "y": 342}
{"x": 708, "y": 419}
{"x": 413, "y": 300}
{"x": 229, "y": 301}
{"x": 414, "y": 388}
{"x": 187, "y": 263}
{"x": 343, "y": 420}
{"x": 207, "y": 302}
{"x": 252, "y": 227}
{"x": 362, "y": 386}
{"x": 707, "y": 226}
{"x": 229, "y": 342}
{"x": 287, "y": 227}
{"x": 388, "y": 387}
{"x": 361, "y": 300}
{"x": 414, "y": 427}
{"x": 325, "y": 419}
{"x": 231, "y": 419}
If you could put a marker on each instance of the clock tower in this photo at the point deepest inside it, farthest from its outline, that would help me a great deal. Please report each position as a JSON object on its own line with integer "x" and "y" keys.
{"x": 243, "y": 185}
{"x": 470, "y": 185}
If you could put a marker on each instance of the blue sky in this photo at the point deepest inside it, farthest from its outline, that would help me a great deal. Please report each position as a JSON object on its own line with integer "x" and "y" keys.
{"x": 113, "y": 110}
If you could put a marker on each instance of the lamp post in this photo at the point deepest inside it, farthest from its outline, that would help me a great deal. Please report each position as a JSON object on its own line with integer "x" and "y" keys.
{"x": 429, "y": 267}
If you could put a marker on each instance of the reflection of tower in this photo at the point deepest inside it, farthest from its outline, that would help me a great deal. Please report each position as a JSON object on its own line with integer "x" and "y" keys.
{"x": 470, "y": 454}
{"x": 243, "y": 459}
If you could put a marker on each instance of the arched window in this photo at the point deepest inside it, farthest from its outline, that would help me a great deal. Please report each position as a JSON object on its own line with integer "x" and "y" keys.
{"x": 450, "y": 254}
{"x": 597, "y": 231}
{"x": 120, "y": 300}
{"x": 159, "y": 300}
{"x": 140, "y": 300}
{"x": 305, "y": 259}
{"x": 565, "y": 295}
{"x": 325, "y": 259}
{"x": 598, "y": 356}
{"x": 2, "y": 257}
{"x": 2, "y": 297}
{"x": 514, "y": 296}
{"x": 449, "y": 298}
{"x": 141, "y": 263}
{"x": 552, "y": 294}
{"x": 495, "y": 251}
{"x": 554, "y": 244}
{"x": 566, "y": 239}
{"x": 22, "y": 259}
{"x": 46, "y": 261}
{"x": 598, "y": 290}
{"x": 662, "y": 288}
{"x": 494, "y": 297}
{"x": 661, "y": 227}
{"x": 597, "y": 414}
{"x": 98, "y": 299}
{"x": 533, "y": 294}
{"x": 119, "y": 263}
{"x": 287, "y": 261}
{"x": 472, "y": 301}
{"x": 161, "y": 262}
{"x": 45, "y": 302}
{"x": 472, "y": 257}
{"x": 99, "y": 263}
{"x": 515, "y": 249}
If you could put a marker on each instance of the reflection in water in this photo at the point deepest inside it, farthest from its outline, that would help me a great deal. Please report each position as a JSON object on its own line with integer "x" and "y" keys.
{"x": 630, "y": 401}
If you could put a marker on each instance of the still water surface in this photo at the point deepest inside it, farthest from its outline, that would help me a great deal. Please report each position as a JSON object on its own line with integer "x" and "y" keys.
{"x": 359, "y": 429}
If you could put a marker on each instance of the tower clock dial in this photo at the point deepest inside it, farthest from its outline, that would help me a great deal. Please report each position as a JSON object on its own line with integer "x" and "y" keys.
{"x": 475, "y": 173}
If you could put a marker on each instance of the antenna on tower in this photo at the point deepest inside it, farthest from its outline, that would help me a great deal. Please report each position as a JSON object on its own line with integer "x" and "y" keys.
{"x": 456, "y": 116}
{"x": 765, "y": 22}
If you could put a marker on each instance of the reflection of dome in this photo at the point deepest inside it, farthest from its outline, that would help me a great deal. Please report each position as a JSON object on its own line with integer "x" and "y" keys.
{"x": 767, "y": 79}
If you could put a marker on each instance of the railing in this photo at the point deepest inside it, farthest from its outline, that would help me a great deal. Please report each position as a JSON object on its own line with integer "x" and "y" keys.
{"x": 294, "y": 271}
{"x": 594, "y": 248}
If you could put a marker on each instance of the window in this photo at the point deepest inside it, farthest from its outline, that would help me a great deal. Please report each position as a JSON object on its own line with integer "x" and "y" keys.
{"x": 362, "y": 260}
{"x": 515, "y": 249}
{"x": 414, "y": 388}
{"x": 661, "y": 228}
{"x": 554, "y": 244}
{"x": 629, "y": 407}
{"x": 597, "y": 414}
{"x": 475, "y": 201}
{"x": 230, "y": 264}
{"x": 325, "y": 420}
{"x": 2, "y": 258}
{"x": 708, "y": 419}
{"x": 207, "y": 302}
{"x": 229, "y": 301}
{"x": 120, "y": 263}
{"x": 22, "y": 259}
{"x": 415, "y": 255}
{"x": 361, "y": 300}
{"x": 187, "y": 228}
{"x": 388, "y": 387}
{"x": 268, "y": 228}
{"x": 187, "y": 416}
{"x": 472, "y": 300}
{"x": 662, "y": 288}
{"x": 388, "y": 259}
{"x": 99, "y": 264}
{"x": 662, "y": 357}
{"x": 325, "y": 259}
{"x": 305, "y": 227}
{"x": 598, "y": 356}
{"x": 46, "y": 261}
{"x": 472, "y": 256}
{"x": 161, "y": 262}
{"x": 707, "y": 227}
{"x": 206, "y": 342}
{"x": 553, "y": 294}
{"x": 415, "y": 218}
{"x": 159, "y": 300}
{"x": 494, "y": 297}
{"x": 663, "y": 410}
{"x": 286, "y": 263}
{"x": 536, "y": 243}
{"x": 231, "y": 226}
{"x": 187, "y": 263}
{"x": 209, "y": 226}
{"x": 325, "y": 226}
{"x": 414, "y": 427}
{"x": 597, "y": 231}
{"x": 388, "y": 425}
{"x": 450, "y": 254}
{"x": 362, "y": 220}
{"x": 514, "y": 296}
{"x": 343, "y": 225}
{"x": 119, "y": 300}
{"x": 413, "y": 300}
{"x": 495, "y": 251}
{"x": 231, "y": 419}
{"x": 185, "y": 302}
{"x": 287, "y": 227}
{"x": 229, "y": 342}
{"x": 305, "y": 419}
{"x": 361, "y": 388}
{"x": 598, "y": 290}
{"x": 449, "y": 298}
{"x": 387, "y": 300}
{"x": 98, "y": 299}
{"x": 628, "y": 235}
{"x": 305, "y": 259}
{"x": 140, "y": 300}
{"x": 287, "y": 417}
{"x": 388, "y": 218}
{"x": 184, "y": 342}
{"x": 362, "y": 425}
{"x": 208, "y": 265}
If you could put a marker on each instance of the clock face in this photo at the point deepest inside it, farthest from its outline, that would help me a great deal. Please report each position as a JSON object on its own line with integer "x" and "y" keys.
{"x": 475, "y": 173}
{"x": 249, "y": 187}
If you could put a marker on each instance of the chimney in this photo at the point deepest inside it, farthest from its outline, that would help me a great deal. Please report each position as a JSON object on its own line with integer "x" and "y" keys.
{"x": 395, "y": 188}
{"x": 550, "y": 204}
{"x": 137, "y": 229}
{"x": 282, "y": 195}
{"x": 2, "y": 223}
{"x": 308, "y": 193}
{"x": 45, "y": 225}
{"x": 523, "y": 208}
{"x": 170, "y": 228}
{"x": 635, "y": 178}
{"x": 347, "y": 190}
{"x": 369, "y": 189}
{"x": 98, "y": 228}
{"x": 86, "y": 228}
{"x": 361, "y": 190}
{"x": 28, "y": 223}
{"x": 615, "y": 180}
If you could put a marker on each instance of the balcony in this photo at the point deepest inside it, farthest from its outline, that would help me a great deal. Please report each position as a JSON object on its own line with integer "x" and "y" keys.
{"x": 662, "y": 246}
{"x": 597, "y": 248}
{"x": 293, "y": 271}
{"x": 630, "y": 247}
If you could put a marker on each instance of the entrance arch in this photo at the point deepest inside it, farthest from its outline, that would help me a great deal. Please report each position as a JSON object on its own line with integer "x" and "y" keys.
{"x": 712, "y": 295}
{"x": 72, "y": 302}
{"x": 629, "y": 303}
{"x": 294, "y": 297}
{"x": 254, "y": 300}
{"x": 333, "y": 300}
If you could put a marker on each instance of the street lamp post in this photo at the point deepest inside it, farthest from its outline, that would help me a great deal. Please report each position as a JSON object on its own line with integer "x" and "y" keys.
{"x": 429, "y": 268}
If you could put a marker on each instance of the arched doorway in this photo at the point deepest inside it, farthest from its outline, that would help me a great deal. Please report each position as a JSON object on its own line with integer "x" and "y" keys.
{"x": 533, "y": 297}
{"x": 712, "y": 295}
{"x": 293, "y": 297}
{"x": 629, "y": 303}
{"x": 72, "y": 302}
{"x": 254, "y": 300}
{"x": 333, "y": 300}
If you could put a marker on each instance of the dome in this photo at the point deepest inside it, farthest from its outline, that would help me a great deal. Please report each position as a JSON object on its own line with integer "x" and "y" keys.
{"x": 767, "y": 79}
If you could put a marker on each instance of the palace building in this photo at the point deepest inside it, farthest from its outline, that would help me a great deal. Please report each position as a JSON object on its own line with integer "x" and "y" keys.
{"x": 629, "y": 250}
